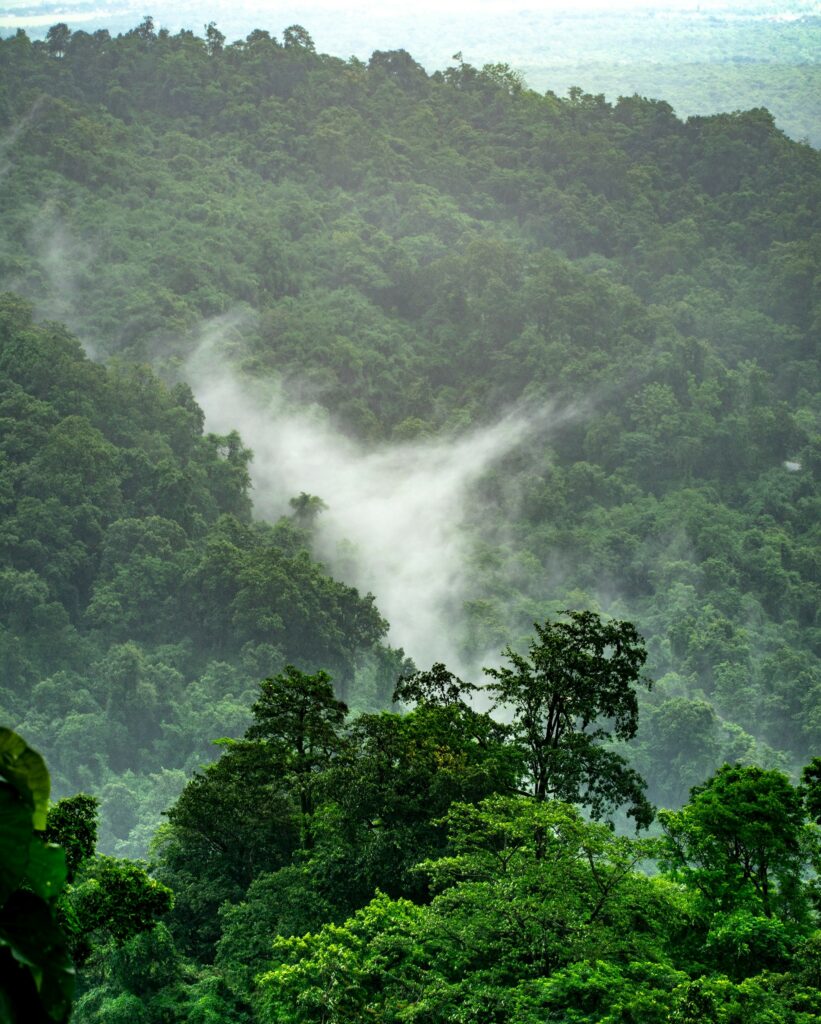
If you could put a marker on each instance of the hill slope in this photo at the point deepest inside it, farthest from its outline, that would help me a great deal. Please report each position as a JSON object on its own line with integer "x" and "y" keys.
{"x": 417, "y": 253}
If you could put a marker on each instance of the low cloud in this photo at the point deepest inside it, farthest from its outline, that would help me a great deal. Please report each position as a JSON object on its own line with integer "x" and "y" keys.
{"x": 56, "y": 279}
{"x": 10, "y": 137}
{"x": 395, "y": 516}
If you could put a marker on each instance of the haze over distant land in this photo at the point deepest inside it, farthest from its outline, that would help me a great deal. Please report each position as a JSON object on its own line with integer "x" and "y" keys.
{"x": 702, "y": 58}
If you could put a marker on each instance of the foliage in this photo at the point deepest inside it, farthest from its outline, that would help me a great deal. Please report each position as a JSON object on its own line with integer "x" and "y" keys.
{"x": 36, "y": 973}
{"x": 138, "y": 605}
{"x": 300, "y": 722}
{"x": 742, "y": 841}
{"x": 550, "y": 248}
{"x": 575, "y": 691}
{"x": 508, "y": 913}
{"x": 71, "y": 823}
{"x": 319, "y": 809}
{"x": 117, "y": 899}
{"x": 538, "y": 916}
{"x": 416, "y": 253}
{"x": 811, "y": 778}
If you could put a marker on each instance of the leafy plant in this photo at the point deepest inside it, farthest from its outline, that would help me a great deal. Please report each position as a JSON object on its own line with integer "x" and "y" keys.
{"x": 36, "y": 971}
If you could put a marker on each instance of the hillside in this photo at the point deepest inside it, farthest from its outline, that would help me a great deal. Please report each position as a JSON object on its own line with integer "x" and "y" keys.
{"x": 418, "y": 254}
{"x": 140, "y": 604}
{"x": 283, "y": 330}
{"x": 706, "y": 58}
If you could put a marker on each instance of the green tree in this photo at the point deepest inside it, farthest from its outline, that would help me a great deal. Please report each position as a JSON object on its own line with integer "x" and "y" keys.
{"x": 396, "y": 777}
{"x": 114, "y": 900}
{"x": 811, "y": 780}
{"x": 598, "y": 992}
{"x": 234, "y": 821}
{"x": 307, "y": 507}
{"x": 58, "y": 38}
{"x": 214, "y": 39}
{"x": 72, "y": 824}
{"x": 505, "y": 913}
{"x": 300, "y": 721}
{"x": 297, "y": 37}
{"x": 742, "y": 841}
{"x": 574, "y": 693}
{"x": 108, "y": 900}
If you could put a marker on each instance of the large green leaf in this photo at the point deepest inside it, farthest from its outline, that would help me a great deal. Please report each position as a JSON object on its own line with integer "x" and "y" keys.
{"x": 46, "y": 871}
{"x": 15, "y": 839}
{"x": 25, "y": 769}
{"x": 30, "y": 933}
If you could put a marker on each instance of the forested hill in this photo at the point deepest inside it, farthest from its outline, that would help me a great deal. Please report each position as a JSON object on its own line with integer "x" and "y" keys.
{"x": 418, "y": 253}
{"x": 411, "y": 257}
{"x": 186, "y": 176}
{"x": 139, "y": 606}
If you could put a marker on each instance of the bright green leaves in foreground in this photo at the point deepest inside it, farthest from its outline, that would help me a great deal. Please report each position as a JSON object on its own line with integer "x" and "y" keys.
{"x": 392, "y": 869}
{"x": 539, "y": 915}
{"x": 742, "y": 841}
{"x": 400, "y": 869}
{"x": 36, "y": 972}
{"x": 346, "y": 809}
{"x": 528, "y": 891}
{"x": 26, "y": 772}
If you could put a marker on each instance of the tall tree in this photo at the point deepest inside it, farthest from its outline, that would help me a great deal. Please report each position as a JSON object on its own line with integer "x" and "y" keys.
{"x": 574, "y": 692}
{"x": 72, "y": 824}
{"x": 300, "y": 719}
{"x": 742, "y": 842}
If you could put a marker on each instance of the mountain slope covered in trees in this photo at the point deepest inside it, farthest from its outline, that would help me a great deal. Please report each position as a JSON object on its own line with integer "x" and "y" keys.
{"x": 418, "y": 252}
{"x": 415, "y": 254}
{"x": 140, "y": 604}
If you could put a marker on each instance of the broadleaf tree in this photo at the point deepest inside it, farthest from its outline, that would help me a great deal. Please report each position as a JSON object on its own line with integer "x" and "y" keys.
{"x": 574, "y": 692}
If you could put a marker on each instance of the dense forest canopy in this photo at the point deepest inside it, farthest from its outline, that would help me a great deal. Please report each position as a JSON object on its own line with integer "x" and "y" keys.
{"x": 140, "y": 603}
{"x": 703, "y": 58}
{"x": 410, "y": 259}
{"x": 418, "y": 252}
{"x": 393, "y": 867}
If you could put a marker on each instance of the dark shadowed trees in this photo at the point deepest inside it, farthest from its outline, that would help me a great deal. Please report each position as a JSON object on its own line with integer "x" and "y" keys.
{"x": 574, "y": 692}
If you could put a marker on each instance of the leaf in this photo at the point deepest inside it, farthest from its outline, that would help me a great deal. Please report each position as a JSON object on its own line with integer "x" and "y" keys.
{"x": 46, "y": 872}
{"x": 15, "y": 837}
{"x": 28, "y": 930}
{"x": 26, "y": 771}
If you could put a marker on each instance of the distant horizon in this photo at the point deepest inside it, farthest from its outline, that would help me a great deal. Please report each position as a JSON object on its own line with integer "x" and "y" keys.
{"x": 36, "y": 18}
{"x": 701, "y": 56}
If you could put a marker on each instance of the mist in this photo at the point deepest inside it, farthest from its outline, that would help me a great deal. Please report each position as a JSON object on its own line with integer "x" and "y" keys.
{"x": 13, "y": 133}
{"x": 61, "y": 265}
{"x": 395, "y": 516}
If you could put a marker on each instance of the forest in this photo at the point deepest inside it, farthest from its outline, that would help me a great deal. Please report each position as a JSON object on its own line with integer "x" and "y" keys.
{"x": 269, "y": 809}
{"x": 704, "y": 58}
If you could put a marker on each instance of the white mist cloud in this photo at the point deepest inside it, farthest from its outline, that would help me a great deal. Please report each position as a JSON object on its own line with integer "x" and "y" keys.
{"x": 63, "y": 261}
{"x": 8, "y": 140}
{"x": 395, "y": 512}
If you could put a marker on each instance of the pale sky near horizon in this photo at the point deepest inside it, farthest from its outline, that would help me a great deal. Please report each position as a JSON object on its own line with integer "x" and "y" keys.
{"x": 431, "y": 30}
{"x": 27, "y": 12}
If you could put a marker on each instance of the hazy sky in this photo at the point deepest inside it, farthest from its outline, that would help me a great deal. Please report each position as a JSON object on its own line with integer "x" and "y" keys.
{"x": 36, "y": 15}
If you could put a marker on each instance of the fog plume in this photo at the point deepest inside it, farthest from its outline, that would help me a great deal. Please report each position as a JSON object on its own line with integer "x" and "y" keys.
{"x": 61, "y": 267}
{"x": 395, "y": 512}
{"x": 9, "y": 138}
